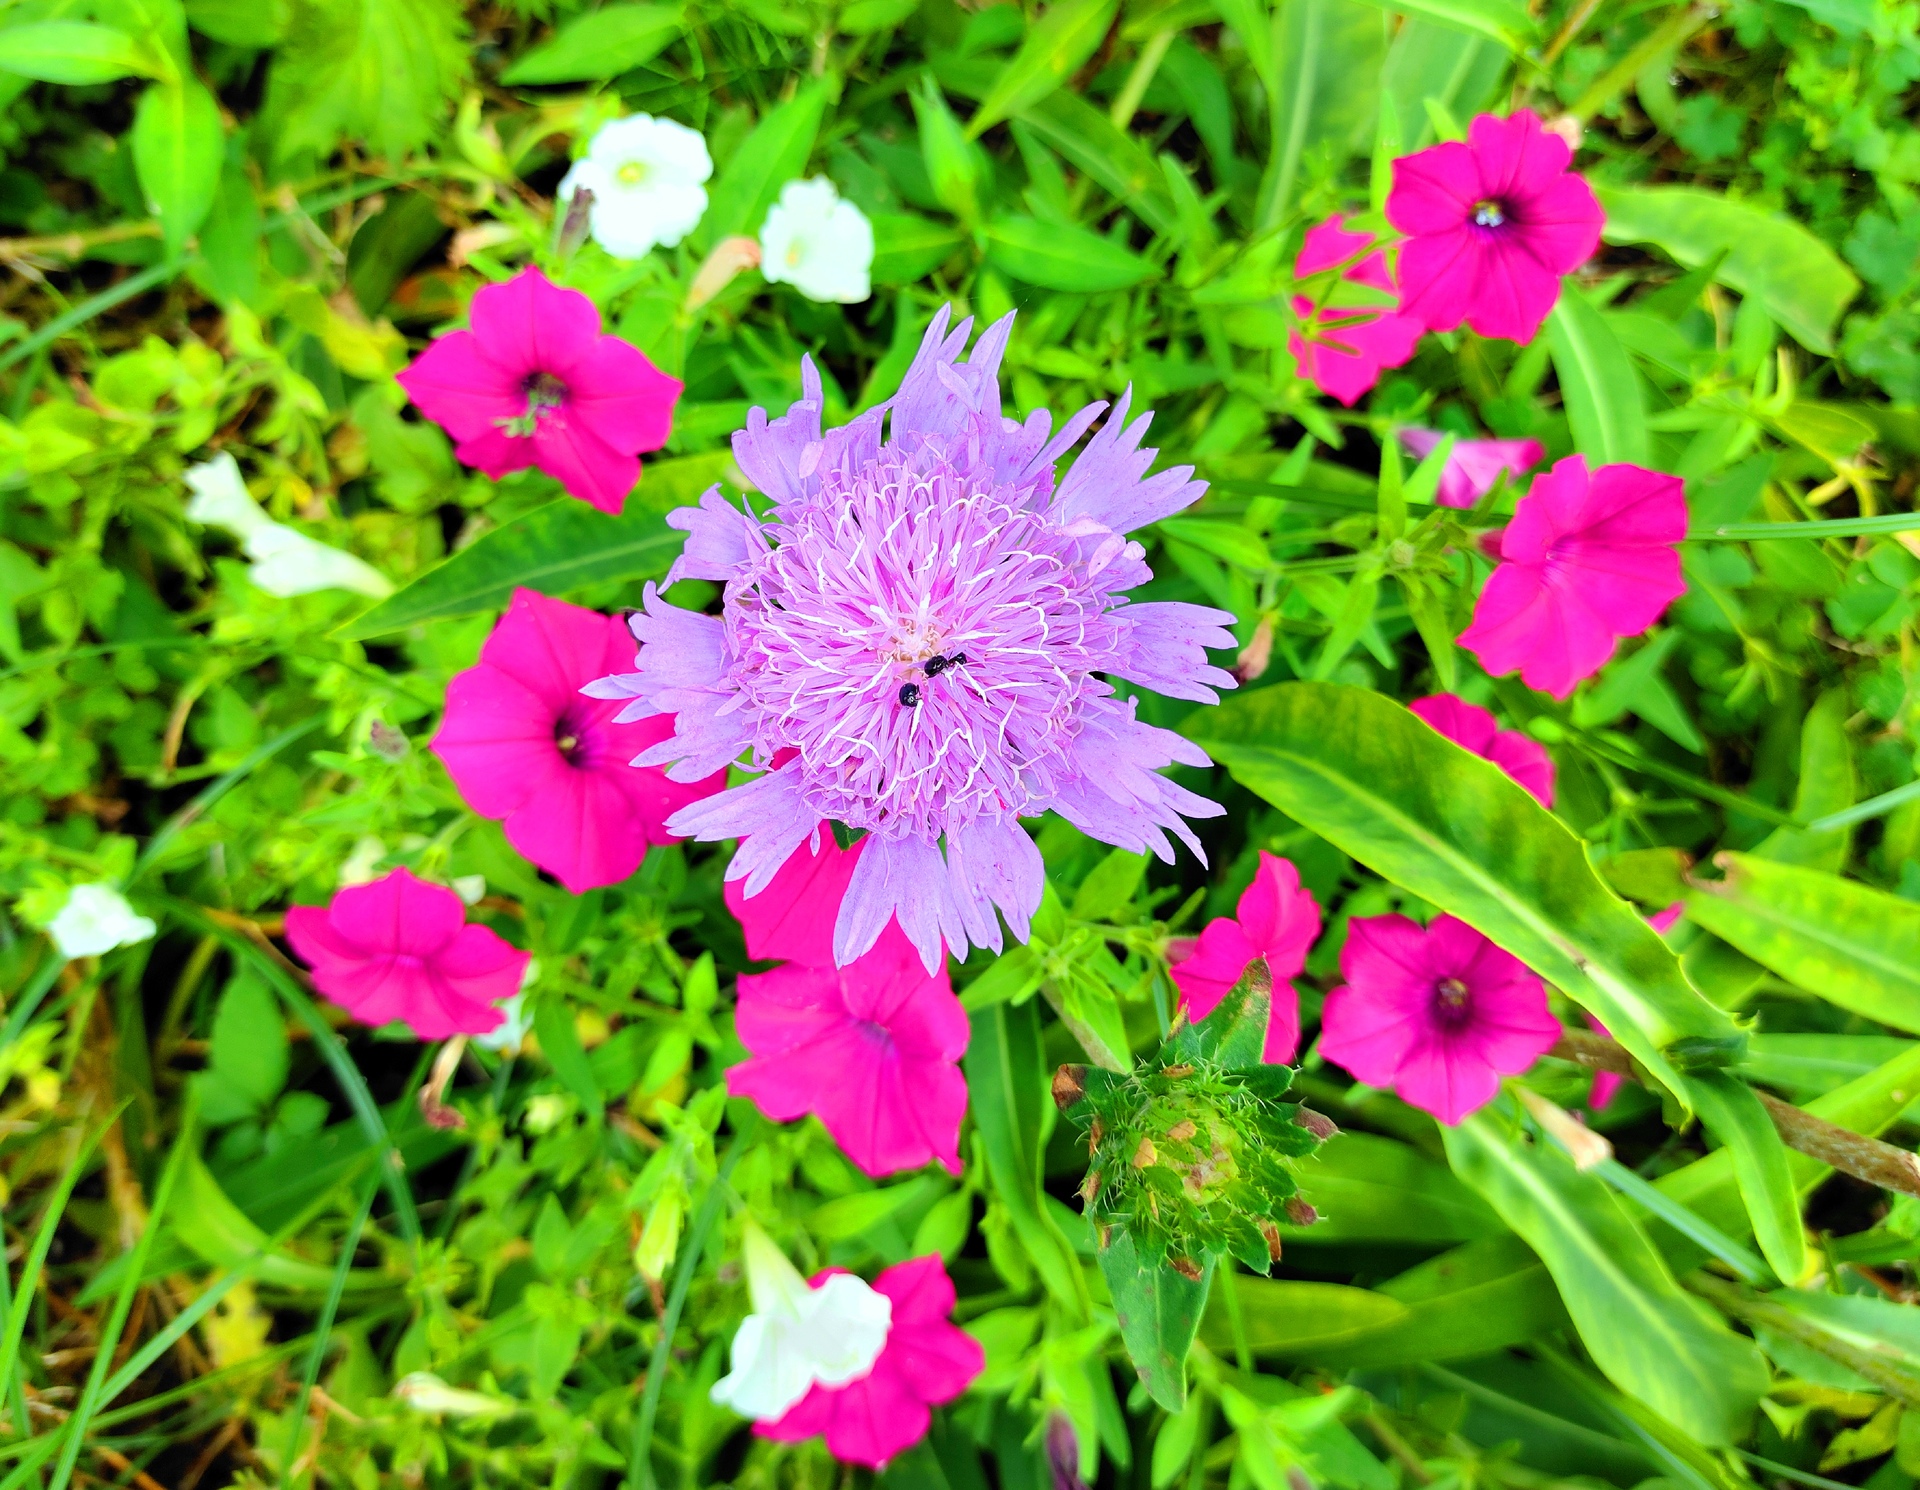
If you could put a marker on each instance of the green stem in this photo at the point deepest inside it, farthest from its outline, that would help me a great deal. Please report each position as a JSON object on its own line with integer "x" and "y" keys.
{"x": 1668, "y": 38}
{"x": 1826, "y": 527}
{"x": 1861, "y": 811}
{"x": 87, "y": 309}
{"x": 640, "y": 1458}
{"x": 323, "y": 1329}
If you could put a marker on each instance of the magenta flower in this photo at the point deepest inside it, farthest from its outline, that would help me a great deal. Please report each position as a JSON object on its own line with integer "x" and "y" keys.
{"x": 523, "y": 744}
{"x": 872, "y": 1049}
{"x": 1473, "y": 728}
{"x": 400, "y": 948}
{"x": 1344, "y": 348}
{"x": 1492, "y": 226}
{"x": 1438, "y": 1015}
{"x": 1475, "y": 466}
{"x": 1586, "y": 561}
{"x": 534, "y": 383}
{"x": 917, "y": 643}
{"x": 927, "y": 1360}
{"x": 1275, "y": 919}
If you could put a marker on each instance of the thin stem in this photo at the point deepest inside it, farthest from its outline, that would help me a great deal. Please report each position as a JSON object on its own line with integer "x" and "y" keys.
{"x": 1872, "y": 807}
{"x": 1826, "y": 527}
{"x": 323, "y": 1328}
{"x": 1574, "y": 25}
{"x": 640, "y": 1457}
{"x": 1127, "y": 100}
{"x": 87, "y": 309}
{"x": 1668, "y": 38}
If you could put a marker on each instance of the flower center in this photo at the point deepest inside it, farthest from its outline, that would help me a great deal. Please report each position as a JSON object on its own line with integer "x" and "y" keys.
{"x": 631, "y": 172}
{"x": 569, "y": 738}
{"x": 1489, "y": 214}
{"x": 543, "y": 391}
{"x": 924, "y": 644}
{"x": 1450, "y": 998}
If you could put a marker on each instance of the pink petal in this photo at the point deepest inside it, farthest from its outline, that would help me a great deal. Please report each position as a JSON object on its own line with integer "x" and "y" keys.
{"x": 793, "y": 916}
{"x": 1209, "y": 974}
{"x": 462, "y": 391}
{"x": 627, "y": 402}
{"x": 571, "y": 451}
{"x": 580, "y": 827}
{"x": 496, "y": 740}
{"x": 876, "y": 1418}
{"x": 1446, "y": 1081}
{"x": 1326, "y": 245}
{"x": 398, "y": 913}
{"x": 1433, "y": 191}
{"x": 530, "y": 325}
{"x": 496, "y": 452}
{"x": 1357, "y": 1034}
{"x": 1283, "y": 1025}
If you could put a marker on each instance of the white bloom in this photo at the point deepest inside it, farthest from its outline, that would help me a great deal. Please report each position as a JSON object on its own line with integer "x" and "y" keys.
{"x": 817, "y": 243}
{"x": 425, "y": 1392}
{"x": 511, "y": 1033}
{"x": 287, "y": 562}
{"x": 96, "y": 919}
{"x": 362, "y": 865}
{"x": 796, "y": 1335}
{"x": 648, "y": 178}
{"x": 221, "y": 499}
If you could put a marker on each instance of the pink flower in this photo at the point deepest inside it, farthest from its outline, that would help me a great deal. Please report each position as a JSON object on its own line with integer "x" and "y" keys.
{"x": 1492, "y": 226}
{"x": 400, "y": 948}
{"x": 1473, "y": 728}
{"x": 1586, "y": 561}
{"x": 1275, "y": 919}
{"x": 927, "y": 1360}
{"x": 1606, "y": 1083}
{"x": 523, "y": 744}
{"x": 534, "y": 383}
{"x": 872, "y": 1049}
{"x": 1475, "y": 466}
{"x": 1344, "y": 349}
{"x": 1439, "y": 1015}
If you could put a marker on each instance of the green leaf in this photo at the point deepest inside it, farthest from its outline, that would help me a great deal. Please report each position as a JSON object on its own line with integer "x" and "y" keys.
{"x": 1466, "y": 1303}
{"x": 864, "y": 17}
{"x": 1327, "y": 62}
{"x": 560, "y": 1044}
{"x": 1372, "y": 1189}
{"x": 775, "y": 153}
{"x": 1054, "y": 49}
{"x": 1007, "y": 1085}
{"x": 1235, "y": 1033}
{"x": 1801, "y": 282}
{"x": 953, "y": 164}
{"x": 178, "y": 144}
{"x": 1734, "y": 1115}
{"x": 1498, "y": 20}
{"x": 1598, "y": 385}
{"x": 1159, "y": 1312}
{"x": 1828, "y": 783}
{"x": 555, "y": 549}
{"x": 385, "y": 71}
{"x": 218, "y": 1232}
{"x": 1365, "y": 774}
{"x": 239, "y": 23}
{"x": 1236, "y": 543}
{"x": 249, "y": 1047}
{"x": 73, "y": 52}
{"x": 601, "y": 44}
{"x": 907, "y": 248}
{"x": 1851, "y": 944}
{"x": 1652, "y": 1340}
{"x": 1288, "y": 1318}
{"x": 1060, "y": 256}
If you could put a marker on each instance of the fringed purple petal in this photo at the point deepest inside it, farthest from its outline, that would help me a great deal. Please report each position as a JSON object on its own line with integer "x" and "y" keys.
{"x": 769, "y": 817}
{"x": 720, "y": 538}
{"x": 1109, "y": 482}
{"x": 1167, "y": 642}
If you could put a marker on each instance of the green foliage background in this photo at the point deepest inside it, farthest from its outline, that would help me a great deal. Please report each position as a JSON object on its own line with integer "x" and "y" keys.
{"x": 235, "y": 1246}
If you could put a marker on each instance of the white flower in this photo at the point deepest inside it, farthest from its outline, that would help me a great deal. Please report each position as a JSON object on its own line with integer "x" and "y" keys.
{"x": 511, "y": 1033}
{"x": 817, "y": 243}
{"x": 362, "y": 865}
{"x": 648, "y": 178}
{"x": 96, "y": 919}
{"x": 287, "y": 562}
{"x": 221, "y": 499}
{"x": 796, "y": 1335}
{"x": 425, "y": 1392}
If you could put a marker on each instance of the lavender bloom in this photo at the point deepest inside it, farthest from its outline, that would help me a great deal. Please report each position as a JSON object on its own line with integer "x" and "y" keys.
{"x": 913, "y": 644}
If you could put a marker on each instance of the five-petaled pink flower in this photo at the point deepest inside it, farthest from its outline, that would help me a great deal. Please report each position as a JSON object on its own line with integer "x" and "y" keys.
{"x": 1587, "y": 560}
{"x": 1351, "y": 339}
{"x": 1275, "y": 919}
{"x": 1438, "y": 1015}
{"x": 1473, "y": 728}
{"x": 1473, "y": 466}
{"x": 927, "y": 1360}
{"x": 872, "y": 1049}
{"x": 534, "y": 383}
{"x": 400, "y": 948}
{"x": 1492, "y": 227}
{"x": 522, "y": 743}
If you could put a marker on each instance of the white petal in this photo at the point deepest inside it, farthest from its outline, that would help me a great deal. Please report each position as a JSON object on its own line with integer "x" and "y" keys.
{"x": 221, "y": 500}
{"x": 96, "y": 919}
{"x": 287, "y": 563}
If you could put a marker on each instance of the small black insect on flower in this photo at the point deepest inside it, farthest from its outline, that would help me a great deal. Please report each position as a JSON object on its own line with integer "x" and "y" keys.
{"x": 938, "y": 665}
{"x": 909, "y": 695}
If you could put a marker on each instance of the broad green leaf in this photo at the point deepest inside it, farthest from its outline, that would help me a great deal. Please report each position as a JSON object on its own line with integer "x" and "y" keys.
{"x": 1459, "y": 70}
{"x": 560, "y": 1044}
{"x": 1800, "y": 281}
{"x": 1253, "y": 24}
{"x": 864, "y": 17}
{"x": 1735, "y": 1116}
{"x": 1327, "y": 64}
{"x": 1234, "y": 542}
{"x": 952, "y": 161}
{"x": 1365, "y": 774}
{"x": 907, "y": 248}
{"x": 1827, "y": 784}
{"x": 1598, "y": 385}
{"x": 774, "y": 154}
{"x": 1007, "y": 1083}
{"x": 1497, "y": 20}
{"x": 249, "y": 1050}
{"x": 554, "y": 549}
{"x": 1159, "y": 1312}
{"x": 1059, "y": 256}
{"x": 1851, "y": 944}
{"x": 1283, "y": 1317}
{"x": 1372, "y": 1189}
{"x": 1066, "y": 36}
{"x": 73, "y": 52}
{"x": 178, "y": 145}
{"x": 239, "y": 23}
{"x": 600, "y": 44}
{"x": 217, "y": 1231}
{"x": 1651, "y": 1339}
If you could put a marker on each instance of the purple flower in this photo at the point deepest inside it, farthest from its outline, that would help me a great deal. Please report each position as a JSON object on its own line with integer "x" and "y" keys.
{"x": 916, "y": 643}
